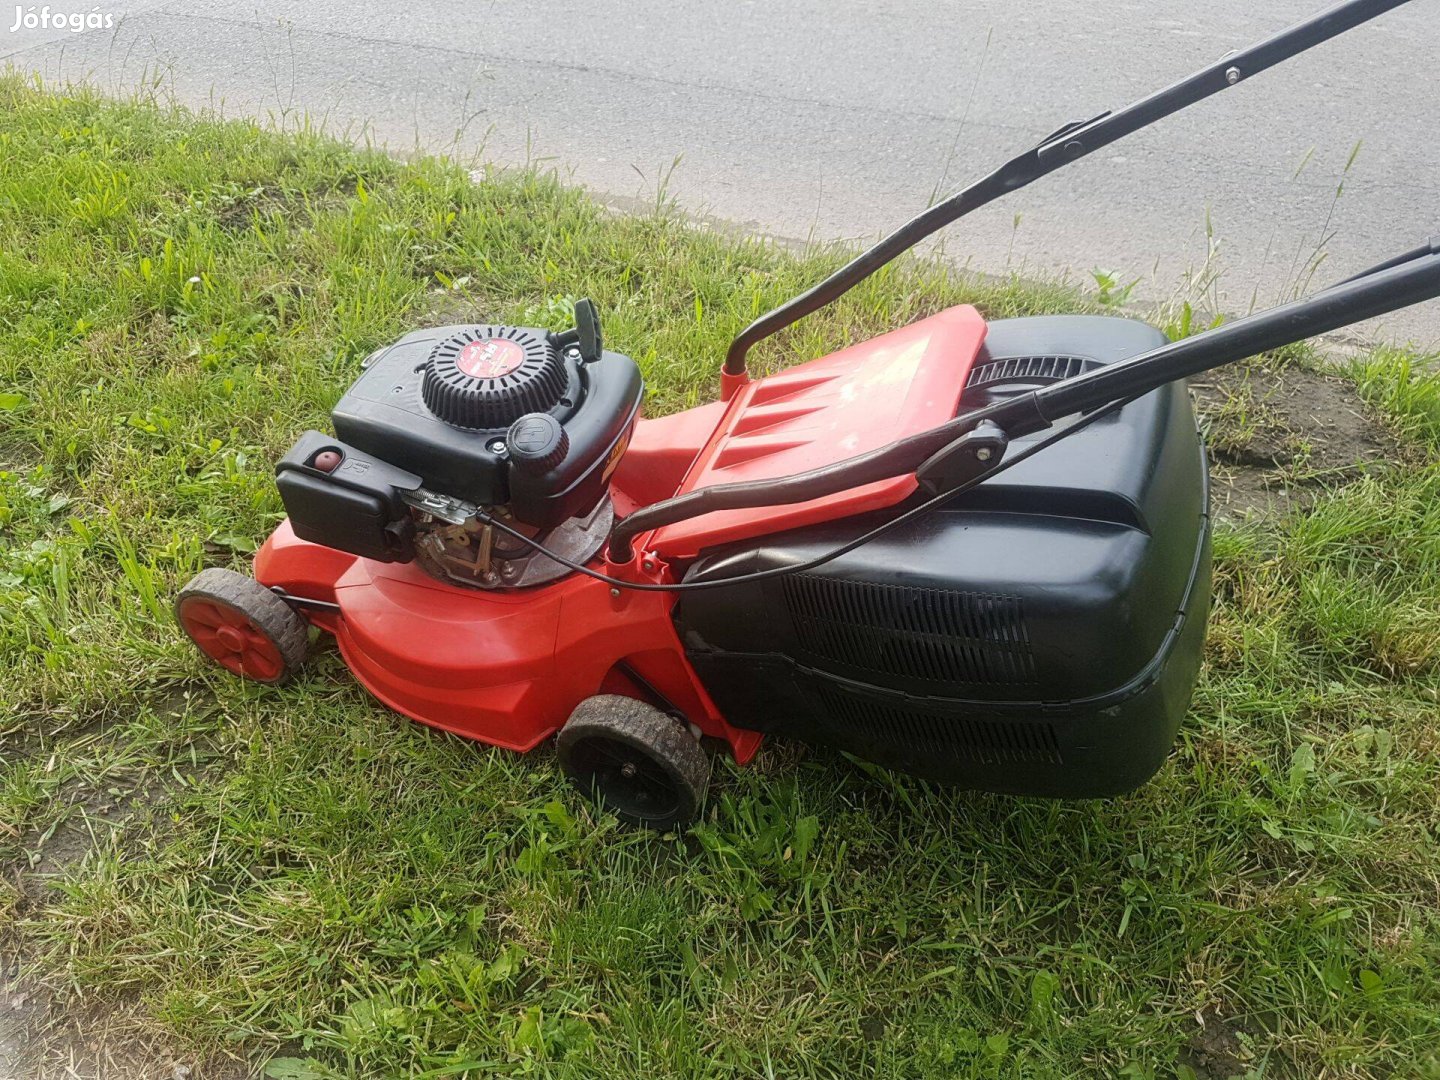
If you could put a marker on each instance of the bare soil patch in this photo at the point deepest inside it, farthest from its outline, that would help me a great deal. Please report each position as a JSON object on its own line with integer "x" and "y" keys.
{"x": 1217, "y": 1051}
{"x": 1279, "y": 434}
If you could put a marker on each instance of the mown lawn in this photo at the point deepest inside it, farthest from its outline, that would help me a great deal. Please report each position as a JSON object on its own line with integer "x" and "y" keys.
{"x": 298, "y": 877}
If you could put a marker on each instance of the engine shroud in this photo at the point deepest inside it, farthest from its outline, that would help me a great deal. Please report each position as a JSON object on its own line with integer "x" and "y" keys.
{"x": 423, "y": 440}
{"x": 388, "y": 414}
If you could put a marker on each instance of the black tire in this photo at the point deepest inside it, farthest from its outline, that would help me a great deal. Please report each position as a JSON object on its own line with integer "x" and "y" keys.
{"x": 643, "y": 766}
{"x": 242, "y": 626}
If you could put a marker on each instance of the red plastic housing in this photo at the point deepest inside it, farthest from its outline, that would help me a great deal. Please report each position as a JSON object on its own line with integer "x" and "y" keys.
{"x": 508, "y": 667}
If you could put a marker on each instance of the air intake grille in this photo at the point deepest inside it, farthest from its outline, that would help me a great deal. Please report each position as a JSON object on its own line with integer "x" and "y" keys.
{"x": 935, "y": 634}
{"x": 484, "y": 378}
{"x": 1023, "y": 368}
{"x": 987, "y": 742}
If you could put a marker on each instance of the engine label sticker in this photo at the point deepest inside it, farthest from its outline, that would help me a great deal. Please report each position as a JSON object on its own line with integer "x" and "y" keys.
{"x": 490, "y": 358}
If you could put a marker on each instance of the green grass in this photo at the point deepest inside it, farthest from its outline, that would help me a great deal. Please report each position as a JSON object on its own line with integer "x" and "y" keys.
{"x": 299, "y": 874}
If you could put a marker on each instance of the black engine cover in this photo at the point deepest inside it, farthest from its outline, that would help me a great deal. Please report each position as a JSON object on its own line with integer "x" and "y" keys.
{"x": 385, "y": 414}
{"x": 1040, "y": 634}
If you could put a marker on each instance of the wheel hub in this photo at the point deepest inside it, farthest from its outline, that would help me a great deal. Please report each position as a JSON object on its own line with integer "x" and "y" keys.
{"x": 231, "y": 638}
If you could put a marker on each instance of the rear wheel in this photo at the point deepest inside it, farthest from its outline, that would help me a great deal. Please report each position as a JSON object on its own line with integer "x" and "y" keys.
{"x": 634, "y": 760}
{"x": 242, "y": 626}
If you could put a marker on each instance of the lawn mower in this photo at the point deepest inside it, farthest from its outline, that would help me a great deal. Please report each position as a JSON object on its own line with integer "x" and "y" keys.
{"x": 878, "y": 550}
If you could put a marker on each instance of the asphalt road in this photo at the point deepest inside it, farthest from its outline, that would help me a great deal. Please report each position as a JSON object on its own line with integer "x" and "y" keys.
{"x": 840, "y": 118}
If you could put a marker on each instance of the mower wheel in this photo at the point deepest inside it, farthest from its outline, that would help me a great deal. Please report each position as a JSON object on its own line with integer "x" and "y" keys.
{"x": 242, "y": 625}
{"x": 634, "y": 760}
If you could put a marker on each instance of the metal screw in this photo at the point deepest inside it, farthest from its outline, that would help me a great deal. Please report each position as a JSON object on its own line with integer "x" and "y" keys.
{"x": 1232, "y": 75}
{"x": 497, "y": 446}
{"x": 648, "y": 565}
{"x": 572, "y": 353}
{"x": 983, "y": 454}
{"x": 614, "y": 592}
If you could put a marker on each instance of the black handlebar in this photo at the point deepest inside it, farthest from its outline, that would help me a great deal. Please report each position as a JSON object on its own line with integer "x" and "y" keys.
{"x": 1379, "y": 291}
{"x": 1388, "y": 287}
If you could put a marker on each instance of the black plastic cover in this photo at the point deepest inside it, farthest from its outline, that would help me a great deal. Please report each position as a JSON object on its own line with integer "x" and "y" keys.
{"x": 598, "y": 436}
{"x": 354, "y": 507}
{"x": 1040, "y": 634}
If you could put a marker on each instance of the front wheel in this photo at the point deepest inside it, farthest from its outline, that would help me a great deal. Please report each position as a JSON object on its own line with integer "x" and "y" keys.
{"x": 634, "y": 760}
{"x": 242, "y": 625}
